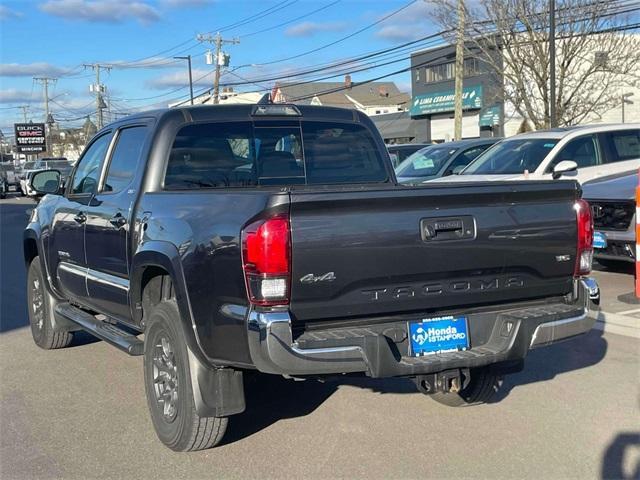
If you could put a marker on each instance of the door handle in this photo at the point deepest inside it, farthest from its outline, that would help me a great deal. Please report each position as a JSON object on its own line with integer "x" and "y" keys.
{"x": 118, "y": 221}
{"x": 80, "y": 217}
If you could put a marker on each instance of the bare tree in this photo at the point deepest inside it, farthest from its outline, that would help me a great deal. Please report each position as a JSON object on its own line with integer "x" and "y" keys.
{"x": 595, "y": 57}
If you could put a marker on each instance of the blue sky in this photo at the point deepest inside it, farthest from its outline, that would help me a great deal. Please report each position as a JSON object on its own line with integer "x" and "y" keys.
{"x": 139, "y": 37}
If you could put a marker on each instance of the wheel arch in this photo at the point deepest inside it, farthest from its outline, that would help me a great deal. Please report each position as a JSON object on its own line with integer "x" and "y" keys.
{"x": 217, "y": 391}
{"x": 30, "y": 248}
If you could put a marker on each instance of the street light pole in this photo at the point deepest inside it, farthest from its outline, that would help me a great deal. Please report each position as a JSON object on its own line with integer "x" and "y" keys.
{"x": 188, "y": 59}
{"x": 552, "y": 59}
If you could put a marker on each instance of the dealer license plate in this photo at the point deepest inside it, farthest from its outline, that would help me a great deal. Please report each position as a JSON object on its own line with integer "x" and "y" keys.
{"x": 438, "y": 335}
{"x": 599, "y": 240}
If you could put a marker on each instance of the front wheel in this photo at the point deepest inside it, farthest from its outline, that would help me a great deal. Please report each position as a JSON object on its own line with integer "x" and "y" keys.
{"x": 41, "y": 305}
{"x": 168, "y": 385}
{"x": 483, "y": 385}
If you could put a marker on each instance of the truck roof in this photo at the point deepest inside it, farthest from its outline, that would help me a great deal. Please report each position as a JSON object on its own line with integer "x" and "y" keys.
{"x": 238, "y": 112}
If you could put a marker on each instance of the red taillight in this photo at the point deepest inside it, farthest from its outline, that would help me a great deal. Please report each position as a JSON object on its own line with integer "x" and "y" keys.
{"x": 584, "y": 254}
{"x": 266, "y": 253}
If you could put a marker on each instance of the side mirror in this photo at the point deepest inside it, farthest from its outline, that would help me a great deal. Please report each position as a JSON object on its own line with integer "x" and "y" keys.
{"x": 565, "y": 166}
{"x": 46, "y": 181}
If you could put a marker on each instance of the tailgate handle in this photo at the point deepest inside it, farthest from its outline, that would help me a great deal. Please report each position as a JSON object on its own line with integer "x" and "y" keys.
{"x": 433, "y": 229}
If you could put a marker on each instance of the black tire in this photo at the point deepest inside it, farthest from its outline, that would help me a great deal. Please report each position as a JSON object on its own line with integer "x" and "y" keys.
{"x": 170, "y": 400}
{"x": 41, "y": 304}
{"x": 483, "y": 385}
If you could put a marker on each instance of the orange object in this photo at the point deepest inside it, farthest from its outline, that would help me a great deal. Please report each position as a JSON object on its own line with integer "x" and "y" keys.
{"x": 638, "y": 237}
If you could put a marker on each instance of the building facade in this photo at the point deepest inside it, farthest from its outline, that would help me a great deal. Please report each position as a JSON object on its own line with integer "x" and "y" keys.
{"x": 372, "y": 98}
{"x": 433, "y": 88}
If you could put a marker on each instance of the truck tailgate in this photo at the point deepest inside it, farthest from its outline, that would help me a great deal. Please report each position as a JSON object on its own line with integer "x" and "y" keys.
{"x": 431, "y": 248}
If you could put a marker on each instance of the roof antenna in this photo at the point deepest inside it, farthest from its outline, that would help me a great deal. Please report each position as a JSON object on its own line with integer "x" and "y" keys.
{"x": 265, "y": 100}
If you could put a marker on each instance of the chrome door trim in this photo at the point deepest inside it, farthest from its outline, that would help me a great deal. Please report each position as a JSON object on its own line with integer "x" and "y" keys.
{"x": 107, "y": 279}
{"x": 72, "y": 268}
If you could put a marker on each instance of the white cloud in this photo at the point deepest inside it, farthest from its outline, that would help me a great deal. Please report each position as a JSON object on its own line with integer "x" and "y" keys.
{"x": 30, "y": 69}
{"x": 180, "y": 78}
{"x": 11, "y": 95}
{"x": 184, "y": 3}
{"x": 308, "y": 29}
{"x": 105, "y": 11}
{"x": 411, "y": 23}
{"x": 7, "y": 14}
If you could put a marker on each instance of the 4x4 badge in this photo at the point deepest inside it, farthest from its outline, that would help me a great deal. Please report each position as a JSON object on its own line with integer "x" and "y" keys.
{"x": 311, "y": 278}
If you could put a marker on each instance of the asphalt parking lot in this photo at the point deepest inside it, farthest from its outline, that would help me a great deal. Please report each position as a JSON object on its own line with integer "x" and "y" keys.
{"x": 81, "y": 412}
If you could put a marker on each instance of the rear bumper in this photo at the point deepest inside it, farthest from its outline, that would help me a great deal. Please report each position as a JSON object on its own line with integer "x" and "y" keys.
{"x": 380, "y": 351}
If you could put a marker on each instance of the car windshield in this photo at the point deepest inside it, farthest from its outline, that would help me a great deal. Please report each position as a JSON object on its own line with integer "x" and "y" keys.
{"x": 512, "y": 157}
{"x": 426, "y": 162}
{"x": 29, "y": 166}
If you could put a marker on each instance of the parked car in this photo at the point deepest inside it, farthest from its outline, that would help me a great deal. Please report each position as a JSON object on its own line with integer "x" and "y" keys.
{"x": 613, "y": 203}
{"x": 400, "y": 151}
{"x": 274, "y": 238}
{"x": 60, "y": 164}
{"x": 441, "y": 160}
{"x": 8, "y": 171}
{"x": 582, "y": 153}
{"x": 4, "y": 186}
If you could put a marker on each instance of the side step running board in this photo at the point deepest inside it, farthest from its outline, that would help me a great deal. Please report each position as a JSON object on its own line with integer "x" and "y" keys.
{"x": 108, "y": 332}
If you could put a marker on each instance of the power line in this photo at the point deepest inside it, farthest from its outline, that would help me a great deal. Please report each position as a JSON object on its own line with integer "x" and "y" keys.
{"x": 291, "y": 21}
{"x": 335, "y": 42}
{"x": 334, "y": 64}
{"x": 257, "y": 16}
{"x": 240, "y": 22}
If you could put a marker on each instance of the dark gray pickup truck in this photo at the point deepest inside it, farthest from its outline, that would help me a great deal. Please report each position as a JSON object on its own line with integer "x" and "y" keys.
{"x": 274, "y": 238}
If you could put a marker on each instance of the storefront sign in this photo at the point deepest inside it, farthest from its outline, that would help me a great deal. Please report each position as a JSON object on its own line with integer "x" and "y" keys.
{"x": 30, "y": 137}
{"x": 490, "y": 116}
{"x": 444, "y": 101}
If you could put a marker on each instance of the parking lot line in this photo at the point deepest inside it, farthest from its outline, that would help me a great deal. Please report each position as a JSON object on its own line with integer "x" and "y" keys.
{"x": 628, "y": 312}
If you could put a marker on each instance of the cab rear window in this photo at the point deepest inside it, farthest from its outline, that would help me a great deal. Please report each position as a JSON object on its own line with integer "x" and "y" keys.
{"x": 249, "y": 154}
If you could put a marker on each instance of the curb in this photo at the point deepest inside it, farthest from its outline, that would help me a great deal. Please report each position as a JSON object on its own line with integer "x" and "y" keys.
{"x": 618, "y": 324}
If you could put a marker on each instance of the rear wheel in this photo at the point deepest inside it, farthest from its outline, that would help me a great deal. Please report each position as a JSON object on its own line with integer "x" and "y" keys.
{"x": 483, "y": 385}
{"x": 168, "y": 385}
{"x": 41, "y": 304}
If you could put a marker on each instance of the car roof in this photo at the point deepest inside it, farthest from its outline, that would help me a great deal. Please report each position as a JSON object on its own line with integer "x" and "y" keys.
{"x": 575, "y": 130}
{"x": 469, "y": 142}
{"x": 408, "y": 145}
{"x": 619, "y": 186}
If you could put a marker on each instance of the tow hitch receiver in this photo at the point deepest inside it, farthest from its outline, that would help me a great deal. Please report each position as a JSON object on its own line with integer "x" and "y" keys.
{"x": 445, "y": 382}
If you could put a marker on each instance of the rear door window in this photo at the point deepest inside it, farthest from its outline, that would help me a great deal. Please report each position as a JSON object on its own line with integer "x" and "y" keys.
{"x": 621, "y": 145}
{"x": 245, "y": 154}
{"x": 124, "y": 159}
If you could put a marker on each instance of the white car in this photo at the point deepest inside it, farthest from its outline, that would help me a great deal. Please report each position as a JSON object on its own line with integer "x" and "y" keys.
{"x": 582, "y": 153}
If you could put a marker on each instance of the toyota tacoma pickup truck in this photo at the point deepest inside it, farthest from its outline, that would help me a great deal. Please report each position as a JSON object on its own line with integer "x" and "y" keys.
{"x": 275, "y": 238}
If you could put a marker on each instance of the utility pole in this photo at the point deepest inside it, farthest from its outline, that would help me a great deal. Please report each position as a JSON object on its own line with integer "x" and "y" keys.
{"x": 459, "y": 72}
{"x": 188, "y": 59}
{"x": 220, "y": 59}
{"x": 98, "y": 89}
{"x": 24, "y": 109}
{"x": 48, "y": 120}
{"x": 553, "y": 120}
